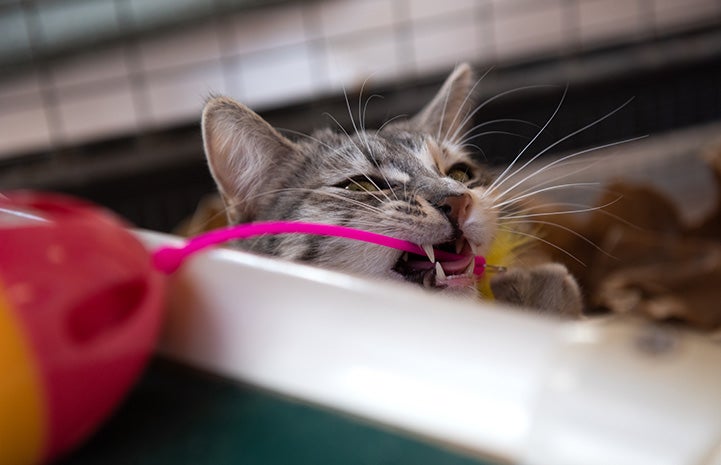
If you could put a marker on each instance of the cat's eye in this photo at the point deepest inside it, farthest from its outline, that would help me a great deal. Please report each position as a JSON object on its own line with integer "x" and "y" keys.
{"x": 363, "y": 184}
{"x": 460, "y": 172}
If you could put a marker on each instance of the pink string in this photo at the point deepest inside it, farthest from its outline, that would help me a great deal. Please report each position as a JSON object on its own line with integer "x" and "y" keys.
{"x": 168, "y": 259}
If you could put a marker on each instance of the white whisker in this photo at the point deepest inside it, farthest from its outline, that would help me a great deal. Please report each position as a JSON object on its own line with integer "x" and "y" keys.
{"x": 462, "y": 106}
{"x": 352, "y": 121}
{"x": 568, "y": 230}
{"x": 553, "y": 180}
{"x": 474, "y": 146}
{"x": 545, "y": 207}
{"x": 463, "y": 136}
{"x": 585, "y": 167}
{"x": 335, "y": 150}
{"x": 584, "y": 209}
{"x": 361, "y": 107}
{"x": 545, "y": 189}
{"x": 359, "y": 150}
{"x": 472, "y": 114}
{"x": 488, "y": 133}
{"x": 560, "y": 160}
{"x": 535, "y": 237}
{"x": 363, "y": 135}
{"x": 443, "y": 114}
{"x": 325, "y": 193}
{"x": 365, "y": 108}
{"x": 565, "y": 138}
{"x": 501, "y": 178}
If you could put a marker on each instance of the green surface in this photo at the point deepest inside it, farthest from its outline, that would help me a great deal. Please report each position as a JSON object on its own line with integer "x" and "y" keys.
{"x": 179, "y": 416}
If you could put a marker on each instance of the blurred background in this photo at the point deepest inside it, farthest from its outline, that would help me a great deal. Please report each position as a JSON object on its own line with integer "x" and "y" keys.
{"x": 102, "y": 98}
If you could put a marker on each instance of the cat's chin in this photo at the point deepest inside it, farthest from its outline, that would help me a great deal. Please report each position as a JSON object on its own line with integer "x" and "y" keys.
{"x": 461, "y": 285}
{"x": 469, "y": 292}
{"x": 455, "y": 282}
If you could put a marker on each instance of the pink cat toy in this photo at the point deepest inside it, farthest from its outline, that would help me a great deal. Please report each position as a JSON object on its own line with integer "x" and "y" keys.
{"x": 81, "y": 304}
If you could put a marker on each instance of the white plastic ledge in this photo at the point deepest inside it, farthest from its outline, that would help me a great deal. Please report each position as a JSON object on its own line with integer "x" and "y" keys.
{"x": 490, "y": 381}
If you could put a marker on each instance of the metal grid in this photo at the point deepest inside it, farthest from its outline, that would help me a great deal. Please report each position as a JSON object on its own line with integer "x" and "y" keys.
{"x": 56, "y": 94}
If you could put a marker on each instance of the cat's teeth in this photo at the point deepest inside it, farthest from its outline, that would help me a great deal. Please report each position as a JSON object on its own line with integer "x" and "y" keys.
{"x": 440, "y": 274}
{"x": 428, "y": 249}
{"x": 404, "y": 257}
{"x": 470, "y": 268}
{"x": 474, "y": 248}
{"x": 460, "y": 242}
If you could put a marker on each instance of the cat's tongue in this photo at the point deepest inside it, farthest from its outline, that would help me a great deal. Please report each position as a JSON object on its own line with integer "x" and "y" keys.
{"x": 450, "y": 267}
{"x": 463, "y": 265}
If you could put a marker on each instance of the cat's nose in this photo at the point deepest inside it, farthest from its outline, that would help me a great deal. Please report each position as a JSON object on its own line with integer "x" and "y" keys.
{"x": 457, "y": 208}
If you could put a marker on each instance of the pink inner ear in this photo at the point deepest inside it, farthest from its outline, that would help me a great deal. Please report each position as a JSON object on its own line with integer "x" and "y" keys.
{"x": 169, "y": 259}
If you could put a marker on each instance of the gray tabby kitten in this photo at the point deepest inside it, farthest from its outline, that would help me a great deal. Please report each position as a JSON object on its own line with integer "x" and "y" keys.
{"x": 411, "y": 180}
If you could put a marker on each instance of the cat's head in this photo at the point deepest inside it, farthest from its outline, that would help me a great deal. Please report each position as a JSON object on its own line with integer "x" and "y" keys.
{"x": 412, "y": 180}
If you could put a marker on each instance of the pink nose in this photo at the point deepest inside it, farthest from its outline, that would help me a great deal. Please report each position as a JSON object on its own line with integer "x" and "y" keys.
{"x": 457, "y": 208}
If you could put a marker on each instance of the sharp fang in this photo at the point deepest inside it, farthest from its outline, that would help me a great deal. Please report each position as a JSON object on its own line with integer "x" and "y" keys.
{"x": 460, "y": 242}
{"x": 474, "y": 248}
{"x": 428, "y": 249}
{"x": 470, "y": 268}
{"x": 404, "y": 257}
{"x": 440, "y": 274}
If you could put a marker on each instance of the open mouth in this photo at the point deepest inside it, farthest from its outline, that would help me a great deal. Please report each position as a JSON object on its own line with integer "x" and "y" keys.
{"x": 436, "y": 270}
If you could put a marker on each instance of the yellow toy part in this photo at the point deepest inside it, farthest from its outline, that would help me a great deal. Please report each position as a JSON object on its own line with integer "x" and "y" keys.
{"x": 502, "y": 253}
{"x": 22, "y": 413}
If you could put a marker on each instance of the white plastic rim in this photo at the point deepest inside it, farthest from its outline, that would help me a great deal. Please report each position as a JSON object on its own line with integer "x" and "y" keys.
{"x": 480, "y": 378}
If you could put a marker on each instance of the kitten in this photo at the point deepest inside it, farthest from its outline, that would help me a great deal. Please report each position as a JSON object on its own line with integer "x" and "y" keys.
{"x": 411, "y": 180}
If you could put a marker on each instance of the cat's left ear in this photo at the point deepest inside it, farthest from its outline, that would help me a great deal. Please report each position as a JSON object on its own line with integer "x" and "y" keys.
{"x": 447, "y": 114}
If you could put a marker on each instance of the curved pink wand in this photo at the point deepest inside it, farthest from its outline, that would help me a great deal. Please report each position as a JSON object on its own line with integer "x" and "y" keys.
{"x": 169, "y": 259}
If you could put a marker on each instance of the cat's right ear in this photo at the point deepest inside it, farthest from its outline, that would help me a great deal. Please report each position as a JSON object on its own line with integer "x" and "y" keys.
{"x": 242, "y": 150}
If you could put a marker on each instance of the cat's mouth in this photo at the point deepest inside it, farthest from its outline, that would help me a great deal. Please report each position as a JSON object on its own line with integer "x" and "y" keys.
{"x": 431, "y": 272}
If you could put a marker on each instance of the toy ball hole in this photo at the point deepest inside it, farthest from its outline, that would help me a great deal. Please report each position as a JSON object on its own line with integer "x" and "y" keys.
{"x": 105, "y": 311}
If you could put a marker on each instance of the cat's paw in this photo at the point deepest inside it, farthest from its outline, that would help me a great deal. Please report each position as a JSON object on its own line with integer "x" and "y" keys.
{"x": 548, "y": 288}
